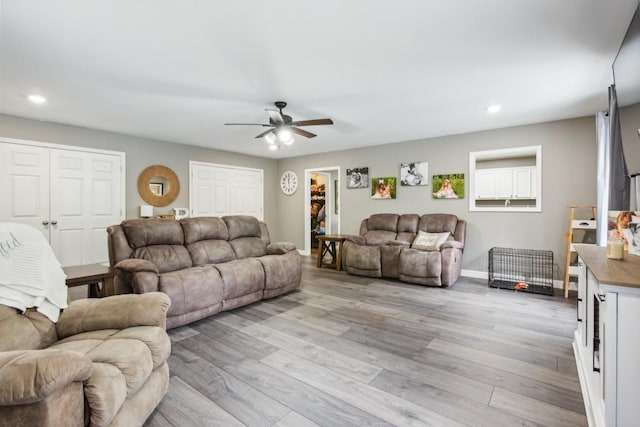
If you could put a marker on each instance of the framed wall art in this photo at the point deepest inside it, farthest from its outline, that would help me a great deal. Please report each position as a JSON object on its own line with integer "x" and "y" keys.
{"x": 383, "y": 188}
{"x": 450, "y": 186}
{"x": 416, "y": 173}
{"x": 358, "y": 177}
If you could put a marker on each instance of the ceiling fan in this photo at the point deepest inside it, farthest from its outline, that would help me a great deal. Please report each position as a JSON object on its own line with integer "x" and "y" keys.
{"x": 282, "y": 126}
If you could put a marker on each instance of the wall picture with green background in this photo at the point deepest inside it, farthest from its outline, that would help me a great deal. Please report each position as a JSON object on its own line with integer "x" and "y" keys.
{"x": 450, "y": 186}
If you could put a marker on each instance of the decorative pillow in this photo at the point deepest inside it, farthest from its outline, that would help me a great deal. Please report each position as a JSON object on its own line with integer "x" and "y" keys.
{"x": 429, "y": 241}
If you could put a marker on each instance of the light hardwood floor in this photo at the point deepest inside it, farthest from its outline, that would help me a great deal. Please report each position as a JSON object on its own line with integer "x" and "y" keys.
{"x": 355, "y": 351}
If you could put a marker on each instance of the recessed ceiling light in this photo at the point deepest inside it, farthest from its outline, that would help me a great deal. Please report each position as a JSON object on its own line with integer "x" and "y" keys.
{"x": 37, "y": 99}
{"x": 494, "y": 108}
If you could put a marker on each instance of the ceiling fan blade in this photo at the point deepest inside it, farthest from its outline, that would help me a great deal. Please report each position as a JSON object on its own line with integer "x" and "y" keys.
{"x": 247, "y": 124}
{"x": 274, "y": 116}
{"x": 264, "y": 133}
{"x": 314, "y": 122}
{"x": 302, "y": 132}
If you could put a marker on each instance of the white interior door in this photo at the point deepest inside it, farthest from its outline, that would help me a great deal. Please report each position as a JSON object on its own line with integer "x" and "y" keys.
{"x": 71, "y": 195}
{"x": 24, "y": 183}
{"x": 85, "y": 200}
{"x": 218, "y": 190}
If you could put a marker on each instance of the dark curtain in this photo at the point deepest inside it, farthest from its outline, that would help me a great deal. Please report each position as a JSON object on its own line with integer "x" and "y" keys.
{"x": 619, "y": 192}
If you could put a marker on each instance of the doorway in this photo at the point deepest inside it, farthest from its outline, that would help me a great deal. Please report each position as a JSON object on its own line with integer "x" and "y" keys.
{"x": 322, "y": 201}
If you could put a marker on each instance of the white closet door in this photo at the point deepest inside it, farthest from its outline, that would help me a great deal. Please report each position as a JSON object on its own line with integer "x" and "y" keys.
{"x": 85, "y": 200}
{"x": 218, "y": 190}
{"x": 246, "y": 192}
{"x": 24, "y": 184}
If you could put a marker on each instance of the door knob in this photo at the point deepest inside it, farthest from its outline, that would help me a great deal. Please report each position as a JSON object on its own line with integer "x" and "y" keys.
{"x": 54, "y": 222}
{"x": 45, "y": 222}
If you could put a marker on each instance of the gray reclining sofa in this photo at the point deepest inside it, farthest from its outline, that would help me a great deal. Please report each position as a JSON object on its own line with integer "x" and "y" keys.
{"x": 387, "y": 247}
{"x": 205, "y": 265}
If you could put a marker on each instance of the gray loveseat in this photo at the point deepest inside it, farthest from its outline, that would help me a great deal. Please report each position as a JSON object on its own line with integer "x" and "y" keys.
{"x": 205, "y": 265}
{"x": 384, "y": 249}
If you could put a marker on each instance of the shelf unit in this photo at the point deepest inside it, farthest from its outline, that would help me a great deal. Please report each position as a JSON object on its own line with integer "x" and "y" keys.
{"x": 586, "y": 225}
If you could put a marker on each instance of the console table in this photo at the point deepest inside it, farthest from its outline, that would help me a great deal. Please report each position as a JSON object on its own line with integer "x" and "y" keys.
{"x": 332, "y": 245}
{"x": 607, "y": 341}
{"x": 92, "y": 275}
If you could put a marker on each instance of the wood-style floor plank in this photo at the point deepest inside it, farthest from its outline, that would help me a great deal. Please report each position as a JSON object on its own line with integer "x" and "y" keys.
{"x": 384, "y": 405}
{"x": 184, "y": 406}
{"x": 358, "y": 351}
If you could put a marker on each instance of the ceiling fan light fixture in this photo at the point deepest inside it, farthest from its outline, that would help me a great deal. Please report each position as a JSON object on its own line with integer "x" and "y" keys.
{"x": 285, "y": 135}
{"x": 270, "y": 138}
{"x": 273, "y": 147}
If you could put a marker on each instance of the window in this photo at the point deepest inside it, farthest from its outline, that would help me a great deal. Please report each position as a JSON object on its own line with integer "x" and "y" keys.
{"x": 506, "y": 180}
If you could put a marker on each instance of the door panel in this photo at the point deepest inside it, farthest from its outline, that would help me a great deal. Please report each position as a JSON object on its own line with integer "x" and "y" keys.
{"x": 218, "y": 190}
{"x": 86, "y": 199}
{"x": 24, "y": 182}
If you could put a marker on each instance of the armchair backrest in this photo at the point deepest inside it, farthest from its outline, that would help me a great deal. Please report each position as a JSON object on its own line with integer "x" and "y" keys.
{"x": 28, "y": 331}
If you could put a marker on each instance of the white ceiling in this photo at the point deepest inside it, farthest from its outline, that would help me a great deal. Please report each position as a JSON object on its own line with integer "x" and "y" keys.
{"x": 384, "y": 71}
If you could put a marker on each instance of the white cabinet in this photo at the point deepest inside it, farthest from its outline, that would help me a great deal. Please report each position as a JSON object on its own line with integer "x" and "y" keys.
{"x": 607, "y": 341}
{"x": 70, "y": 194}
{"x": 506, "y": 183}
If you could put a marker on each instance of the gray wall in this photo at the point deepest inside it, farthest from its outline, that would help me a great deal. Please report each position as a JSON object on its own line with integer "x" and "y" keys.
{"x": 568, "y": 177}
{"x": 143, "y": 152}
{"x": 568, "y": 161}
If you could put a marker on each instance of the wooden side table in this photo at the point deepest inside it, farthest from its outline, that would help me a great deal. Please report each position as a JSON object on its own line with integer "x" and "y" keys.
{"x": 92, "y": 275}
{"x": 332, "y": 245}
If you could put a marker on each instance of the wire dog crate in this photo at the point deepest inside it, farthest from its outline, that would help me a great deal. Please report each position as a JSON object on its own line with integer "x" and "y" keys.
{"x": 526, "y": 270}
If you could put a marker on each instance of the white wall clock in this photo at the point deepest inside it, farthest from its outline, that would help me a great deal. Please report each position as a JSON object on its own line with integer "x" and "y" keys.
{"x": 289, "y": 182}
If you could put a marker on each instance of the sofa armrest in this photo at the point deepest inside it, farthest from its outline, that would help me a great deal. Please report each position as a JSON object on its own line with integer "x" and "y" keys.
{"x": 116, "y": 312}
{"x": 452, "y": 244}
{"x": 136, "y": 265}
{"x": 280, "y": 248}
{"x": 28, "y": 376}
{"x": 358, "y": 240}
{"x": 137, "y": 275}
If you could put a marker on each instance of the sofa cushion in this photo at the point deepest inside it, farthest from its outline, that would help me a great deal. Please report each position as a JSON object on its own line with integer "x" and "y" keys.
{"x": 241, "y": 277}
{"x": 191, "y": 289}
{"x": 165, "y": 257}
{"x": 429, "y": 241}
{"x": 281, "y": 271}
{"x": 438, "y": 223}
{"x": 363, "y": 260}
{"x": 242, "y": 226}
{"x": 423, "y": 267}
{"x": 210, "y": 252}
{"x": 408, "y": 223}
{"x": 385, "y": 222}
{"x": 204, "y": 228}
{"x": 148, "y": 232}
{"x": 379, "y": 237}
{"x": 248, "y": 247}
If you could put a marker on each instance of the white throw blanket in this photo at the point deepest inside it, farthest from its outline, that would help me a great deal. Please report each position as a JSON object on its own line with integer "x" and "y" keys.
{"x": 30, "y": 274}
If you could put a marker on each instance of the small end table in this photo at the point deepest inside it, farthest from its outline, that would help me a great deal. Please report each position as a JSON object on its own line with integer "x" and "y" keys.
{"x": 332, "y": 245}
{"x": 92, "y": 275}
